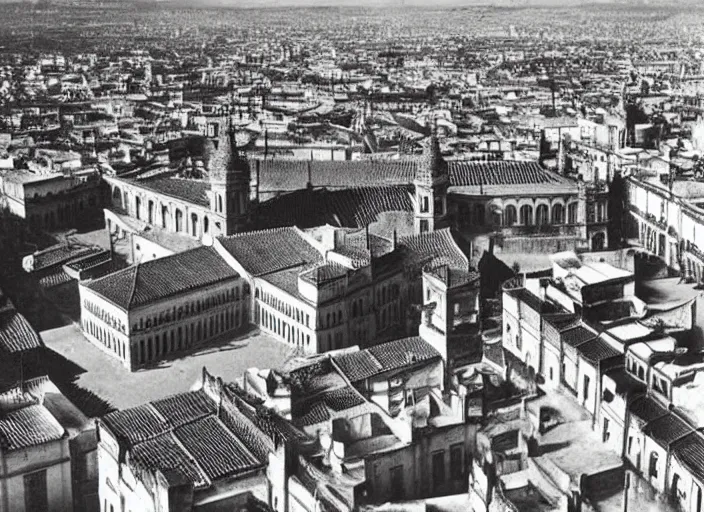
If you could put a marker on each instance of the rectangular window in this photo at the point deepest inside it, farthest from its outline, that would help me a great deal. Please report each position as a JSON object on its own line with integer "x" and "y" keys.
{"x": 585, "y": 388}
{"x": 35, "y": 493}
{"x": 424, "y": 226}
{"x": 438, "y": 469}
{"x": 606, "y": 434}
{"x": 630, "y": 444}
{"x": 424, "y": 204}
{"x": 456, "y": 467}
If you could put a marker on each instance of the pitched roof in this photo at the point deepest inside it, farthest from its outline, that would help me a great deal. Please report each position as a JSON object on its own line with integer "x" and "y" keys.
{"x": 353, "y": 207}
{"x": 163, "y": 277}
{"x": 646, "y": 409}
{"x": 17, "y": 335}
{"x": 434, "y": 249}
{"x": 577, "y": 335}
{"x": 188, "y": 190}
{"x": 187, "y": 437}
{"x": 60, "y": 254}
{"x": 264, "y": 252}
{"x": 29, "y": 426}
{"x": 597, "y": 350}
{"x": 667, "y": 429}
{"x": 468, "y": 173}
{"x": 690, "y": 452}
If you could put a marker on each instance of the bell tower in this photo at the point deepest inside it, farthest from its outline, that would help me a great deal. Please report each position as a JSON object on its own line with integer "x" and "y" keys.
{"x": 229, "y": 176}
{"x": 431, "y": 183}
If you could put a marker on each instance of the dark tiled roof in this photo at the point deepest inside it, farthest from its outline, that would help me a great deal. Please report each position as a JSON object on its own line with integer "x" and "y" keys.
{"x": 690, "y": 452}
{"x": 217, "y": 451}
{"x": 190, "y": 191}
{"x": 164, "y": 277}
{"x": 29, "y": 426}
{"x": 494, "y": 352}
{"x": 60, "y": 254}
{"x": 343, "y": 399}
{"x": 562, "y": 321}
{"x": 399, "y": 353}
{"x": 434, "y": 249}
{"x": 667, "y": 429}
{"x": 354, "y": 207}
{"x": 17, "y": 335}
{"x": 164, "y": 454}
{"x": 312, "y": 414}
{"x": 597, "y": 350}
{"x": 575, "y": 336}
{"x": 263, "y": 252}
{"x": 90, "y": 260}
{"x": 499, "y": 173}
{"x": 185, "y": 407}
{"x": 287, "y": 175}
{"x": 358, "y": 365}
{"x": 136, "y": 425}
{"x": 646, "y": 409}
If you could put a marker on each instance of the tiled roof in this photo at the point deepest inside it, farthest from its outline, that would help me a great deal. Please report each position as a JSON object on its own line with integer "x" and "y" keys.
{"x": 312, "y": 414}
{"x": 356, "y": 206}
{"x": 690, "y": 452}
{"x": 597, "y": 350}
{"x": 469, "y": 173}
{"x": 163, "y": 277}
{"x": 165, "y": 454}
{"x": 342, "y": 399}
{"x": 358, "y": 365}
{"x": 216, "y": 449}
{"x": 188, "y": 438}
{"x": 190, "y": 191}
{"x": 385, "y": 357}
{"x": 17, "y": 335}
{"x": 399, "y": 353}
{"x": 528, "y": 298}
{"x": 494, "y": 352}
{"x": 60, "y": 254}
{"x": 575, "y": 336}
{"x": 434, "y": 249}
{"x": 29, "y": 426}
{"x": 646, "y": 409}
{"x": 263, "y": 252}
{"x": 287, "y": 175}
{"x": 562, "y": 321}
{"x": 667, "y": 429}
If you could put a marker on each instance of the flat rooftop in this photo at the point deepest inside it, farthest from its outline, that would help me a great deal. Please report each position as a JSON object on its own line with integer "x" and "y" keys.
{"x": 95, "y": 372}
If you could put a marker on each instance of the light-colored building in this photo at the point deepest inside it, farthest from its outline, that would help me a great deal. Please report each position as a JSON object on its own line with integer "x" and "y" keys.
{"x": 151, "y": 311}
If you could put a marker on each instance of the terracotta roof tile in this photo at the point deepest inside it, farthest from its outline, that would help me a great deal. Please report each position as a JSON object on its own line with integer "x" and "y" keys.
{"x": 468, "y": 173}
{"x": 164, "y": 277}
{"x": 597, "y": 350}
{"x": 165, "y": 454}
{"x": 358, "y": 365}
{"x": 434, "y": 249}
{"x": 667, "y": 429}
{"x": 191, "y": 191}
{"x": 575, "y": 336}
{"x": 646, "y": 409}
{"x": 399, "y": 353}
{"x": 215, "y": 449}
{"x": 29, "y": 426}
{"x": 690, "y": 452}
{"x": 185, "y": 407}
{"x": 17, "y": 335}
{"x": 263, "y": 252}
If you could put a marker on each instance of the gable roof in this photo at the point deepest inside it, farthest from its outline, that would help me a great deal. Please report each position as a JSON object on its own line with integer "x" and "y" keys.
{"x": 187, "y": 437}
{"x": 29, "y": 426}
{"x": 163, "y": 277}
{"x": 434, "y": 249}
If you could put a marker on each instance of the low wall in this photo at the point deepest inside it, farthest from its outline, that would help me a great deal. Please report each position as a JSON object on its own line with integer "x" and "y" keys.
{"x": 604, "y": 483}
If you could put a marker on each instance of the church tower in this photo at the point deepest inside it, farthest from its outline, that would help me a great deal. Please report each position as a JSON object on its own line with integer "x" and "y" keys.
{"x": 229, "y": 175}
{"x": 431, "y": 183}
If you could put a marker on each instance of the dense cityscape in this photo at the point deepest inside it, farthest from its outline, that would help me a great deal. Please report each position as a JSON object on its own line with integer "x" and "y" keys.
{"x": 383, "y": 258}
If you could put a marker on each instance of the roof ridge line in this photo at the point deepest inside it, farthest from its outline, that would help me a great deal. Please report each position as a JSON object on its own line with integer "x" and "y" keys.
{"x": 193, "y": 460}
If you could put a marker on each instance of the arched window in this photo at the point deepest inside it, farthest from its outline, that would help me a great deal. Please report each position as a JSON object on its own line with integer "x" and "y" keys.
{"x": 137, "y": 207}
{"x": 164, "y": 216}
{"x": 510, "y": 217}
{"x": 179, "y": 220}
{"x": 526, "y": 215}
{"x": 354, "y": 309}
{"x": 219, "y": 203}
{"x": 150, "y": 212}
{"x": 572, "y": 213}
{"x": 206, "y": 224}
{"x": 339, "y": 317}
{"x": 542, "y": 215}
{"x": 558, "y": 214}
{"x": 194, "y": 224}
